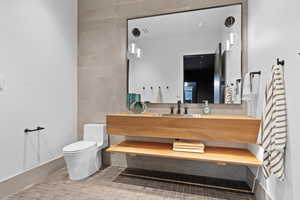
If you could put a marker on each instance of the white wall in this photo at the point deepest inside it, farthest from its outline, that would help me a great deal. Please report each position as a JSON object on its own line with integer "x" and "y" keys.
{"x": 233, "y": 60}
{"x": 274, "y": 32}
{"x": 162, "y": 64}
{"x": 38, "y": 60}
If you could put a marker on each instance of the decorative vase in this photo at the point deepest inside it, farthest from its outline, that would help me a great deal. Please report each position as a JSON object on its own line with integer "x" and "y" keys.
{"x": 132, "y": 98}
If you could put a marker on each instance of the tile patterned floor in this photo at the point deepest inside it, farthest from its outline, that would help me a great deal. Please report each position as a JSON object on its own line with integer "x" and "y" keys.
{"x": 108, "y": 185}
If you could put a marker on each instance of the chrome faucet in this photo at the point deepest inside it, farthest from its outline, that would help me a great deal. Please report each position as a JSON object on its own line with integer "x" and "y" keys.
{"x": 179, "y": 107}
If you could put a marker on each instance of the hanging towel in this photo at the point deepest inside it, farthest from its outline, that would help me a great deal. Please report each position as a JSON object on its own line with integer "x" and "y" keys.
{"x": 159, "y": 98}
{"x": 247, "y": 87}
{"x": 237, "y": 93}
{"x": 251, "y": 87}
{"x": 273, "y": 130}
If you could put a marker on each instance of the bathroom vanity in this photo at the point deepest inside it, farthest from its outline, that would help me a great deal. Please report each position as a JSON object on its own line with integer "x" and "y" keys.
{"x": 202, "y": 61}
{"x": 214, "y": 128}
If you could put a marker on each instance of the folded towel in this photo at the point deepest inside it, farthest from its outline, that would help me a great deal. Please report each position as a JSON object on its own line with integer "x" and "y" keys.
{"x": 188, "y": 144}
{"x": 189, "y": 150}
{"x": 194, "y": 148}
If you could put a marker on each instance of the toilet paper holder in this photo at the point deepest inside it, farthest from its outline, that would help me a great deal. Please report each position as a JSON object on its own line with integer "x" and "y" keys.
{"x": 39, "y": 128}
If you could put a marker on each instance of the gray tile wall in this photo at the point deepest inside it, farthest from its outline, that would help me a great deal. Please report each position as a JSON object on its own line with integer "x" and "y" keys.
{"x": 102, "y": 74}
{"x": 259, "y": 190}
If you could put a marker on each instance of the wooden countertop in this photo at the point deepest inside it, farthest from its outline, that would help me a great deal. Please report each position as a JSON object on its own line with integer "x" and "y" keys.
{"x": 217, "y": 128}
{"x": 213, "y": 116}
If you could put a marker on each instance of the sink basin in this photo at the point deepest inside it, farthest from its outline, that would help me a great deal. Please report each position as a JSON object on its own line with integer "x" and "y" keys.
{"x": 181, "y": 115}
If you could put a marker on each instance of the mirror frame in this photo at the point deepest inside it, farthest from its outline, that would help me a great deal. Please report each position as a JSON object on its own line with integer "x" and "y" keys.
{"x": 243, "y": 45}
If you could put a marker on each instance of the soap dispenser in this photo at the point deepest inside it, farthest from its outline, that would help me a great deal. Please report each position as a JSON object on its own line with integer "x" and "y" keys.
{"x": 206, "y": 109}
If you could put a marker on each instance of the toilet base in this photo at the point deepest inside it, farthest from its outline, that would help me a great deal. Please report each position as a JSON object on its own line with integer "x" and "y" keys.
{"x": 84, "y": 164}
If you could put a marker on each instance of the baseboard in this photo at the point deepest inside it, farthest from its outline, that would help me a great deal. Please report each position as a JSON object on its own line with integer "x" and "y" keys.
{"x": 32, "y": 176}
{"x": 259, "y": 191}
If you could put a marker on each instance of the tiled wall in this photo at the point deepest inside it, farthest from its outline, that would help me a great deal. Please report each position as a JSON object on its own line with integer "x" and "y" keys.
{"x": 102, "y": 74}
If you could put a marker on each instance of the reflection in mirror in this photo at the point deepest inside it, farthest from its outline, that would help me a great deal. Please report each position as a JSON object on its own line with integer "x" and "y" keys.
{"x": 188, "y": 56}
{"x": 199, "y": 78}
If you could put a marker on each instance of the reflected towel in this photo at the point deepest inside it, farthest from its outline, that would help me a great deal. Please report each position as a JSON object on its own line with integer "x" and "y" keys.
{"x": 237, "y": 93}
{"x": 251, "y": 88}
{"x": 159, "y": 96}
{"x": 247, "y": 87}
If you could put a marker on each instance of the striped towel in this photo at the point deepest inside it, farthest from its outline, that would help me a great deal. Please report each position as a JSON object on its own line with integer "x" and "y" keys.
{"x": 273, "y": 130}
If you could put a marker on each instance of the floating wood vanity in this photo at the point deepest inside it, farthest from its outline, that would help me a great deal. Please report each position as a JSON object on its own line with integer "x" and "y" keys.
{"x": 217, "y": 128}
{"x": 220, "y": 128}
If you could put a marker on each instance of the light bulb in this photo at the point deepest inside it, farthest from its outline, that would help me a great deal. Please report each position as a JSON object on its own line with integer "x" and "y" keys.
{"x": 138, "y": 52}
{"x": 231, "y": 38}
{"x": 133, "y": 48}
{"x": 227, "y": 45}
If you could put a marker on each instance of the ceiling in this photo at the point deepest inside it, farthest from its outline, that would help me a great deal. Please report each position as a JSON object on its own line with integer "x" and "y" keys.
{"x": 199, "y": 21}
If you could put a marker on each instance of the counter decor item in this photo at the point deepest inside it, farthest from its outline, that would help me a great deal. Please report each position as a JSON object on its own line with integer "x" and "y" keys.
{"x": 132, "y": 98}
{"x": 138, "y": 107}
{"x": 206, "y": 109}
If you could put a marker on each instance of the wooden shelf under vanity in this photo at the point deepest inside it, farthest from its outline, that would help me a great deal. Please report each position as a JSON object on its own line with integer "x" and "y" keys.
{"x": 216, "y": 128}
{"x": 219, "y": 155}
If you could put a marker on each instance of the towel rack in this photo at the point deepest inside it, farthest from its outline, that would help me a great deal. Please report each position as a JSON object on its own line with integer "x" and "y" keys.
{"x": 239, "y": 80}
{"x": 33, "y": 130}
{"x": 38, "y": 143}
{"x": 252, "y": 74}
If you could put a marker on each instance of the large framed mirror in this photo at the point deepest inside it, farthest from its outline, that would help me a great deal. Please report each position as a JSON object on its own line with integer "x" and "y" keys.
{"x": 190, "y": 56}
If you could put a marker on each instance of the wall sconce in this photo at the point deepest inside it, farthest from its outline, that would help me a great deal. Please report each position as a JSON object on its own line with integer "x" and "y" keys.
{"x": 133, "y": 51}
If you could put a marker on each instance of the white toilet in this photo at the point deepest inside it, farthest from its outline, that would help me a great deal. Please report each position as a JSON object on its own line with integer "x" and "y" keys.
{"x": 83, "y": 158}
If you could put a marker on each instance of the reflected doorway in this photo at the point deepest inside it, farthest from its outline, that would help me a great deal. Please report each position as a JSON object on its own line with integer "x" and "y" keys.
{"x": 199, "y": 72}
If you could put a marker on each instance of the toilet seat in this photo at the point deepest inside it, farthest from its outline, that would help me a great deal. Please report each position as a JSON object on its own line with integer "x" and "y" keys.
{"x": 80, "y": 146}
{"x": 84, "y": 158}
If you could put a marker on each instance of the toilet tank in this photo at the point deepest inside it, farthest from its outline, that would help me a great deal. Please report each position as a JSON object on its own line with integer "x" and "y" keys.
{"x": 95, "y": 133}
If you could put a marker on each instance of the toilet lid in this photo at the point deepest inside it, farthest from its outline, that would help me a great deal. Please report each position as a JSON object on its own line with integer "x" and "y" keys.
{"x": 79, "y": 146}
